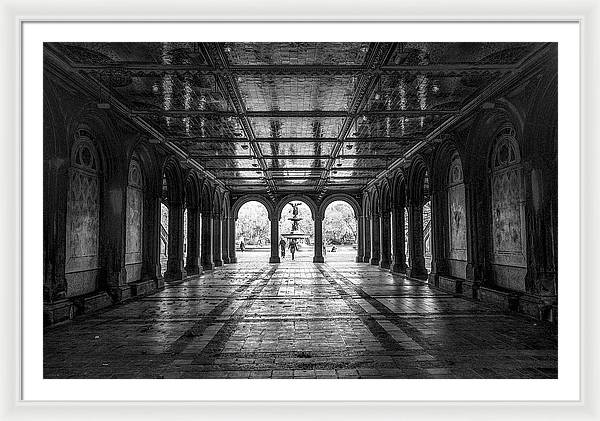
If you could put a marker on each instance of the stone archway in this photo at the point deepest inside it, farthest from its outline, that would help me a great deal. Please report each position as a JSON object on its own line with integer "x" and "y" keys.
{"x": 358, "y": 215}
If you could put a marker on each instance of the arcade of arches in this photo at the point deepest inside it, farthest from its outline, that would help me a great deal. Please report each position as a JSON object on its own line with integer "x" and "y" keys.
{"x": 150, "y": 151}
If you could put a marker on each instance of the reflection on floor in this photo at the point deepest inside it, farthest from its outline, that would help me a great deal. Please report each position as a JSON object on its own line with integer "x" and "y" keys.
{"x": 301, "y": 320}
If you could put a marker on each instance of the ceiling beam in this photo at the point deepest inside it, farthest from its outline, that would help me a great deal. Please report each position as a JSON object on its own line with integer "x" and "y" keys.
{"x": 216, "y": 56}
{"x": 295, "y": 169}
{"x": 280, "y": 157}
{"x": 222, "y": 140}
{"x": 377, "y": 56}
{"x": 493, "y": 89}
{"x": 291, "y": 114}
{"x": 155, "y": 69}
{"x": 96, "y": 90}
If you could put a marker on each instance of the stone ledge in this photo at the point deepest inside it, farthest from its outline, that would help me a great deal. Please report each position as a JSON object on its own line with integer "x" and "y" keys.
{"x": 141, "y": 288}
{"x": 58, "y": 311}
{"x": 92, "y": 302}
{"x": 450, "y": 284}
{"x": 68, "y": 308}
{"x": 470, "y": 289}
{"x": 539, "y": 307}
{"x": 508, "y": 300}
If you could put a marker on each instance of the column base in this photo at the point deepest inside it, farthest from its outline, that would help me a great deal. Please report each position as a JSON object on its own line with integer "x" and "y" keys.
{"x": 58, "y": 311}
{"x": 384, "y": 264}
{"x": 274, "y": 259}
{"x": 226, "y": 260}
{"x": 417, "y": 273}
{"x": 208, "y": 266}
{"x": 218, "y": 263}
{"x": 192, "y": 270}
{"x": 367, "y": 259}
{"x": 318, "y": 259}
{"x": 398, "y": 268}
{"x": 432, "y": 279}
{"x": 233, "y": 260}
{"x": 359, "y": 259}
{"x": 374, "y": 261}
{"x": 175, "y": 276}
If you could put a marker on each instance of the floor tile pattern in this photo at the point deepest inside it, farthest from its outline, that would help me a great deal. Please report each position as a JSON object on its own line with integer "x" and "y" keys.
{"x": 301, "y": 320}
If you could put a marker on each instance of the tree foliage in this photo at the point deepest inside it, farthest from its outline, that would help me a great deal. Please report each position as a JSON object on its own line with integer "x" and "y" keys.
{"x": 252, "y": 224}
{"x": 339, "y": 225}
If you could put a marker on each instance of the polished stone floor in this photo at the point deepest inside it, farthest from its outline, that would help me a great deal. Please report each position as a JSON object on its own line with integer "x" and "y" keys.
{"x": 301, "y": 320}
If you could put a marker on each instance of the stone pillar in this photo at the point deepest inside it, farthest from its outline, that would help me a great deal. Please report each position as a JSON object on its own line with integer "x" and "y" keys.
{"x": 192, "y": 264}
{"x": 206, "y": 252}
{"x": 225, "y": 239}
{"x": 399, "y": 264}
{"x": 384, "y": 239}
{"x": 175, "y": 270}
{"x": 274, "y": 241}
{"x": 438, "y": 252}
{"x": 318, "y": 258}
{"x": 473, "y": 270}
{"x": 217, "y": 228}
{"x": 231, "y": 241}
{"x": 360, "y": 241}
{"x": 415, "y": 242}
{"x": 112, "y": 236}
{"x": 375, "y": 239}
{"x": 367, "y": 238}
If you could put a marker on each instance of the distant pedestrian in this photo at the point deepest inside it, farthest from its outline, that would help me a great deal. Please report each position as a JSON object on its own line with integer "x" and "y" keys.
{"x": 242, "y": 246}
{"x": 293, "y": 248}
{"x": 282, "y": 247}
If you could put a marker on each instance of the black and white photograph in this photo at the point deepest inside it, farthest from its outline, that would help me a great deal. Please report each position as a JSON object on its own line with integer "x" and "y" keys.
{"x": 300, "y": 210}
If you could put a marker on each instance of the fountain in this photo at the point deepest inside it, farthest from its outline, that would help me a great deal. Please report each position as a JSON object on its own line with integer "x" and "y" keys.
{"x": 295, "y": 233}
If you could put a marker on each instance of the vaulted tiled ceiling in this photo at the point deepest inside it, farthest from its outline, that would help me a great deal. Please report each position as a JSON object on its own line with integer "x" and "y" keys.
{"x": 294, "y": 117}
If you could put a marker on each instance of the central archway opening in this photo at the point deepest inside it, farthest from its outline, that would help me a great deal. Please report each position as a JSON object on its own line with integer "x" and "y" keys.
{"x": 303, "y": 247}
{"x": 340, "y": 230}
{"x": 253, "y": 235}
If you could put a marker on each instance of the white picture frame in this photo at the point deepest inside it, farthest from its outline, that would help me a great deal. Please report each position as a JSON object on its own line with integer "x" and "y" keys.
{"x": 16, "y": 13}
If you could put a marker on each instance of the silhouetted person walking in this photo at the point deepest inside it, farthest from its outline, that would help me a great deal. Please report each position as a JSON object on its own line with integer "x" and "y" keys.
{"x": 293, "y": 248}
{"x": 282, "y": 247}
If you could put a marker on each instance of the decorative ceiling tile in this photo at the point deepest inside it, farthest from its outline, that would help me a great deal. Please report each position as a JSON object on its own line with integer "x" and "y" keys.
{"x": 296, "y": 92}
{"x": 302, "y": 127}
{"x": 296, "y": 53}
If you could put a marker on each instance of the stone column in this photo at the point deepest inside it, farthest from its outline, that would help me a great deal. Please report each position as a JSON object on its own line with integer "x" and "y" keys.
{"x": 415, "y": 242}
{"x": 438, "y": 251}
{"x": 399, "y": 264}
{"x": 151, "y": 239}
{"x": 360, "y": 252}
{"x": 274, "y": 241}
{"x": 175, "y": 270}
{"x": 473, "y": 271}
{"x": 318, "y": 258}
{"x": 192, "y": 264}
{"x": 225, "y": 239}
{"x": 375, "y": 239}
{"x": 217, "y": 226}
{"x": 231, "y": 241}
{"x": 367, "y": 238}
{"x": 384, "y": 239}
{"x": 112, "y": 236}
{"x": 206, "y": 252}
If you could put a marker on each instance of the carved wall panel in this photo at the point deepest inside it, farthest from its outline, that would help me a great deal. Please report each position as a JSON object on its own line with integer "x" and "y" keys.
{"x": 508, "y": 218}
{"x": 508, "y": 213}
{"x": 83, "y": 212}
{"x": 134, "y": 215}
{"x": 457, "y": 216}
